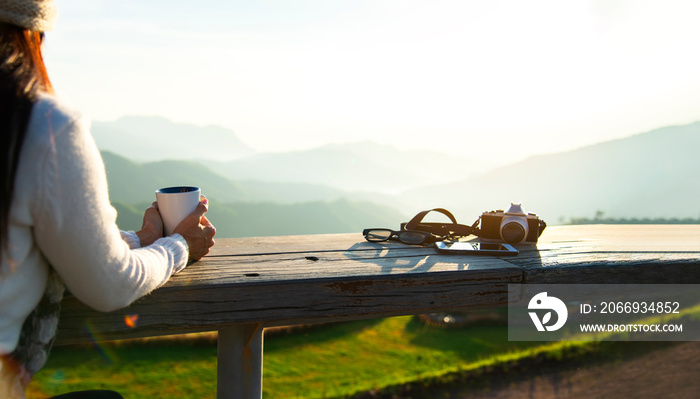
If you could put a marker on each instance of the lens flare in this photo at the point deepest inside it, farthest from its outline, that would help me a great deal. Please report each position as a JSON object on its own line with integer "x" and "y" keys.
{"x": 130, "y": 320}
{"x": 95, "y": 337}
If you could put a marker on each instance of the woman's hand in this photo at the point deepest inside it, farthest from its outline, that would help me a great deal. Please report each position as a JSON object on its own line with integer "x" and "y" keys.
{"x": 197, "y": 231}
{"x": 152, "y": 227}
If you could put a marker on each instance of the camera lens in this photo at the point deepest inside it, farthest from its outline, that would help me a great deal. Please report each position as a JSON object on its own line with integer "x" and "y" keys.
{"x": 513, "y": 232}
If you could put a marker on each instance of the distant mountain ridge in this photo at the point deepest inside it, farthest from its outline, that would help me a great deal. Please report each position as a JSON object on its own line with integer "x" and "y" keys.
{"x": 146, "y": 138}
{"x": 360, "y": 166}
{"x": 135, "y": 183}
{"x": 653, "y": 174}
{"x": 246, "y": 208}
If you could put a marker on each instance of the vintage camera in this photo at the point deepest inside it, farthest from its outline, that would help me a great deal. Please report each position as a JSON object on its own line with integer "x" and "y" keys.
{"x": 513, "y": 226}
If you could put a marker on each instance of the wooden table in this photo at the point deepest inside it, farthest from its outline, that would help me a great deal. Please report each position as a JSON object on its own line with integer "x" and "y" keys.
{"x": 246, "y": 284}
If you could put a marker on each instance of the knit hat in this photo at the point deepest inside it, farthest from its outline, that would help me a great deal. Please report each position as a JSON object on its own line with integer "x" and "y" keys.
{"x": 37, "y": 15}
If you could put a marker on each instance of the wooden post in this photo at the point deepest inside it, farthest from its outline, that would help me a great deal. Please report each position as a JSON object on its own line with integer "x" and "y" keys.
{"x": 239, "y": 362}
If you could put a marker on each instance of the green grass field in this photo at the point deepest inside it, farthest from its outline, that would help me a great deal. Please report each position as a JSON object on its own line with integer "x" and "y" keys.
{"x": 330, "y": 361}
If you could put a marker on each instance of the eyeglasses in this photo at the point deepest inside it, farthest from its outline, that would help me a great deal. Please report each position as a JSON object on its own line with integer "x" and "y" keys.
{"x": 411, "y": 237}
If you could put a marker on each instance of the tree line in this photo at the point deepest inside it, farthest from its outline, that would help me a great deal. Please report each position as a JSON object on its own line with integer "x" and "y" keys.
{"x": 600, "y": 218}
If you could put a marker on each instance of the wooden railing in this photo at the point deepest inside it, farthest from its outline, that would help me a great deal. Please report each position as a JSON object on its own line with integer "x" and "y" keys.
{"x": 247, "y": 284}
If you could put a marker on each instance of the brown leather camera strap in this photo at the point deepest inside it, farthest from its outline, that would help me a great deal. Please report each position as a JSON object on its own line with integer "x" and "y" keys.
{"x": 419, "y": 217}
{"x": 453, "y": 229}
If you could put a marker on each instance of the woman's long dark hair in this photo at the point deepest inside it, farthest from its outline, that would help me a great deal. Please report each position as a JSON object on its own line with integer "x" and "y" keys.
{"x": 22, "y": 76}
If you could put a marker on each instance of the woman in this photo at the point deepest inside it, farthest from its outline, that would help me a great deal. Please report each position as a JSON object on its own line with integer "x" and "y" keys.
{"x": 57, "y": 227}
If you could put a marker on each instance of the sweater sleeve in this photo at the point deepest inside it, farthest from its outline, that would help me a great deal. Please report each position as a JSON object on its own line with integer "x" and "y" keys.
{"x": 75, "y": 227}
{"x": 131, "y": 239}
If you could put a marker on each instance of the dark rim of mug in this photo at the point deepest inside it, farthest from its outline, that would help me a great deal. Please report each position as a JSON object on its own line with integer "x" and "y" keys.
{"x": 175, "y": 190}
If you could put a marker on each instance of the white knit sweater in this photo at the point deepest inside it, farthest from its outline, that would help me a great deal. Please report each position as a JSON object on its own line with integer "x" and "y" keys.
{"x": 61, "y": 216}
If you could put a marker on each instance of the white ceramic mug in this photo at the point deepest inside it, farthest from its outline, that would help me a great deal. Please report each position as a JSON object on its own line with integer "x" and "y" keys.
{"x": 175, "y": 204}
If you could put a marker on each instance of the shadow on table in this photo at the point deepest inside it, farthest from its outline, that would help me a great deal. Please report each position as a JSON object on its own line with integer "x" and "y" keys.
{"x": 396, "y": 257}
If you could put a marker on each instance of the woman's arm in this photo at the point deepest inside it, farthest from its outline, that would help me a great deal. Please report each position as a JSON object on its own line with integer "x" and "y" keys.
{"x": 75, "y": 227}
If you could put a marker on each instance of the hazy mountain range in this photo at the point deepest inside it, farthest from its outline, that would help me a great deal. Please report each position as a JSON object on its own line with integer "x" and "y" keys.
{"x": 365, "y": 166}
{"x": 654, "y": 174}
{"x": 146, "y": 138}
{"x": 246, "y": 208}
{"x": 133, "y": 183}
{"x": 362, "y": 166}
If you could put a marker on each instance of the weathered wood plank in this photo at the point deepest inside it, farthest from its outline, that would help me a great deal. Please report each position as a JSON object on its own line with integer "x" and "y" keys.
{"x": 614, "y": 254}
{"x": 191, "y": 309}
{"x": 356, "y": 280}
{"x": 680, "y": 272}
{"x": 294, "y": 279}
{"x": 331, "y": 264}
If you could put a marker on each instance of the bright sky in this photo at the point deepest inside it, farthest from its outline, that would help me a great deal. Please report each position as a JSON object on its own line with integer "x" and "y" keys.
{"x": 488, "y": 78}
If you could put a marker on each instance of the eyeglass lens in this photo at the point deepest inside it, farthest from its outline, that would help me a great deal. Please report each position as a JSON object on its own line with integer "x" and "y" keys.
{"x": 378, "y": 235}
{"x": 406, "y": 237}
{"x": 412, "y": 237}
